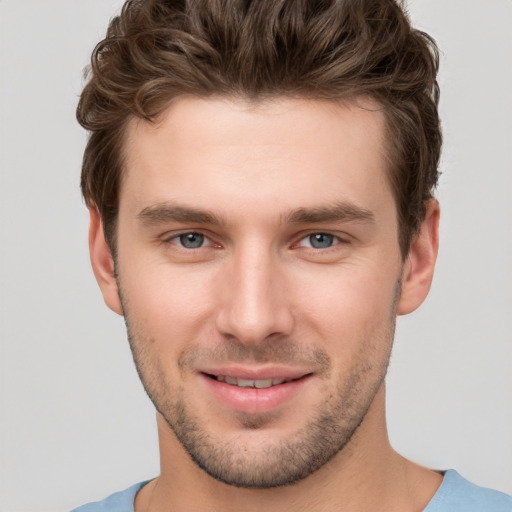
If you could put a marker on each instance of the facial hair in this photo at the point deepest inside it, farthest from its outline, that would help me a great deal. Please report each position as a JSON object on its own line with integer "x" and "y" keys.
{"x": 329, "y": 430}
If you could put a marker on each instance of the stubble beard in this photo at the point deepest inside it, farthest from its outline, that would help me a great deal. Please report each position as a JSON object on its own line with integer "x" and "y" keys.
{"x": 328, "y": 432}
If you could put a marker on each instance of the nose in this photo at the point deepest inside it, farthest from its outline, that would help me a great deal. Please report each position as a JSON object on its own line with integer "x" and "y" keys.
{"x": 254, "y": 304}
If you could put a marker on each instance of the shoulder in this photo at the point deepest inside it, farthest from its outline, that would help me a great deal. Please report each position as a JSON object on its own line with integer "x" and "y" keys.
{"x": 118, "y": 502}
{"x": 458, "y": 494}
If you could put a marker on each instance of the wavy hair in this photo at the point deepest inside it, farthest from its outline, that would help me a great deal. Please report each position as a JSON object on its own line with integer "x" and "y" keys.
{"x": 157, "y": 50}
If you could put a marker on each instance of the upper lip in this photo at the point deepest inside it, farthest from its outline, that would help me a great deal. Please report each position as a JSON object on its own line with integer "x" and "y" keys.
{"x": 256, "y": 373}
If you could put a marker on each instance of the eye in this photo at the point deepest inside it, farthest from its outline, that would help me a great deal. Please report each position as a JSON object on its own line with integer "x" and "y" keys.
{"x": 190, "y": 240}
{"x": 319, "y": 241}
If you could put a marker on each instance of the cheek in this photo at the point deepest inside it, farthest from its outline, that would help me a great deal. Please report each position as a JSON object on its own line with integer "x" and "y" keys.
{"x": 166, "y": 303}
{"x": 349, "y": 303}
{"x": 349, "y": 294}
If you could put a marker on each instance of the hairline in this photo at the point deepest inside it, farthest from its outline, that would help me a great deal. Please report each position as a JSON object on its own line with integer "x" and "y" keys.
{"x": 255, "y": 101}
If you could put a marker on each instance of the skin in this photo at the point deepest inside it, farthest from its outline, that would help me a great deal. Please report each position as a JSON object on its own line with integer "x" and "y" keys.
{"x": 260, "y": 185}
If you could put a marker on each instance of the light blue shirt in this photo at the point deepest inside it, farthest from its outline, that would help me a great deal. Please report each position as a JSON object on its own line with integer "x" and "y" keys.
{"x": 455, "y": 494}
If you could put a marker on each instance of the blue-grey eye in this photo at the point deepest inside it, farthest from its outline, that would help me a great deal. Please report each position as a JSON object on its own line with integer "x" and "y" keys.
{"x": 191, "y": 240}
{"x": 321, "y": 240}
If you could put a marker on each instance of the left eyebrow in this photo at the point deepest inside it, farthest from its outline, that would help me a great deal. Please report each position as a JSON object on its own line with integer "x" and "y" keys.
{"x": 340, "y": 212}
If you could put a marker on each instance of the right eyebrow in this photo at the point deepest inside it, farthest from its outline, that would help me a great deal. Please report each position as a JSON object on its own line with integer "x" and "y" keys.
{"x": 162, "y": 213}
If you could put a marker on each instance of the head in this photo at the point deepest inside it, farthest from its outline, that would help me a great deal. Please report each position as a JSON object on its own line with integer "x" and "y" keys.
{"x": 261, "y": 174}
{"x": 157, "y": 51}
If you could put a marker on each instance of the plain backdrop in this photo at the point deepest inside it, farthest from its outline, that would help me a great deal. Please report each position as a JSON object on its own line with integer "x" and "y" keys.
{"x": 75, "y": 424}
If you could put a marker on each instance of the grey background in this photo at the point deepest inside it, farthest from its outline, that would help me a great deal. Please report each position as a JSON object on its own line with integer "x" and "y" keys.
{"x": 75, "y": 424}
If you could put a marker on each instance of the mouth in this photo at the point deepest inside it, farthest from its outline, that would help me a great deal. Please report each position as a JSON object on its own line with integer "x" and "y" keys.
{"x": 252, "y": 383}
{"x": 255, "y": 392}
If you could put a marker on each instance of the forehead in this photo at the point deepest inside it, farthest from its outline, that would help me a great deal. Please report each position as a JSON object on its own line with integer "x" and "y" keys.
{"x": 287, "y": 152}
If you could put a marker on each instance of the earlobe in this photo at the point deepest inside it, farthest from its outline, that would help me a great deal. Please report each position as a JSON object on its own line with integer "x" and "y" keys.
{"x": 419, "y": 266}
{"x": 103, "y": 263}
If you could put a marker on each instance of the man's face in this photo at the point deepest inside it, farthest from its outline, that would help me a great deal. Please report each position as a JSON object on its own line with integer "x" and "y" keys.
{"x": 259, "y": 272}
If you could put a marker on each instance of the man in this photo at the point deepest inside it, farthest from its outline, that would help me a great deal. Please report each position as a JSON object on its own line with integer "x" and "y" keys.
{"x": 260, "y": 181}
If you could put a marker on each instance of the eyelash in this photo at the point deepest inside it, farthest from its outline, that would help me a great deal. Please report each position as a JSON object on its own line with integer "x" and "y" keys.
{"x": 335, "y": 240}
{"x": 177, "y": 239}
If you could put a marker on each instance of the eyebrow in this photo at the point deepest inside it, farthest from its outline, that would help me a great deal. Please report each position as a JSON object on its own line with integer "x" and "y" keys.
{"x": 166, "y": 212}
{"x": 339, "y": 212}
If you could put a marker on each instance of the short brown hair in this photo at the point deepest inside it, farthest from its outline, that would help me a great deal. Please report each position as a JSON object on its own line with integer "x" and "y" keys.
{"x": 156, "y": 50}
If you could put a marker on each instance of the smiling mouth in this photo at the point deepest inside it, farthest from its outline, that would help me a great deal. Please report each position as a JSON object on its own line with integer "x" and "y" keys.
{"x": 251, "y": 383}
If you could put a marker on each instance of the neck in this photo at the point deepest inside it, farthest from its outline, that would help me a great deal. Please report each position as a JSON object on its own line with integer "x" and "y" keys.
{"x": 366, "y": 475}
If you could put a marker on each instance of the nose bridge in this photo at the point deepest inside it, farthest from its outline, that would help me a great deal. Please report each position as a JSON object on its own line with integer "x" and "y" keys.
{"x": 255, "y": 306}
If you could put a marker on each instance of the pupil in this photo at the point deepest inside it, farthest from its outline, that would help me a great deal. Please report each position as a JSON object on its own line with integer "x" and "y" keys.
{"x": 321, "y": 240}
{"x": 191, "y": 240}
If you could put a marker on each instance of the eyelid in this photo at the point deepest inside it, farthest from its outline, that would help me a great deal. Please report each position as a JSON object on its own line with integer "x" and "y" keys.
{"x": 173, "y": 238}
{"x": 338, "y": 239}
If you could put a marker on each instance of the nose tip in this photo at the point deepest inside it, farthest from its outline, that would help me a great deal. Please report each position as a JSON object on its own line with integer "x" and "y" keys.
{"x": 254, "y": 305}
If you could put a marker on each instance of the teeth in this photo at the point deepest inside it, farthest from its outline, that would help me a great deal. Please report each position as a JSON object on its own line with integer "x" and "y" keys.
{"x": 250, "y": 383}
{"x": 245, "y": 383}
{"x": 261, "y": 384}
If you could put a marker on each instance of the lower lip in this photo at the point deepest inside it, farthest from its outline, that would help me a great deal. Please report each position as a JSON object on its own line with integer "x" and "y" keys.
{"x": 254, "y": 400}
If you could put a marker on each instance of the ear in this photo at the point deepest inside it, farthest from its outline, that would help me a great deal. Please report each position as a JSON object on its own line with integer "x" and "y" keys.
{"x": 103, "y": 263}
{"x": 419, "y": 266}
